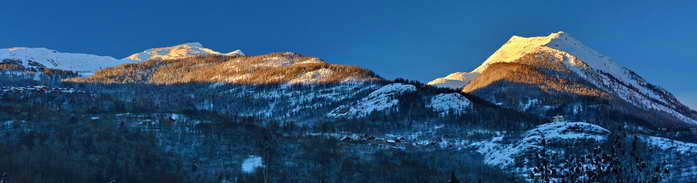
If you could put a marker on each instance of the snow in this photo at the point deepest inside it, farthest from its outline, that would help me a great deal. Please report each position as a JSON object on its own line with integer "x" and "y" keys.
{"x": 530, "y": 103}
{"x": 251, "y": 164}
{"x": 449, "y": 102}
{"x": 499, "y": 153}
{"x": 456, "y": 80}
{"x": 666, "y": 144}
{"x": 675, "y": 153}
{"x": 286, "y": 102}
{"x": 286, "y": 59}
{"x": 177, "y": 117}
{"x": 379, "y": 100}
{"x": 312, "y": 77}
{"x": 176, "y": 52}
{"x": 558, "y": 45}
{"x": 81, "y": 63}
{"x": 234, "y": 53}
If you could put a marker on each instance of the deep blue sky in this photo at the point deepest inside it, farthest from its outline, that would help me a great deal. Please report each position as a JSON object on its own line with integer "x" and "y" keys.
{"x": 412, "y": 39}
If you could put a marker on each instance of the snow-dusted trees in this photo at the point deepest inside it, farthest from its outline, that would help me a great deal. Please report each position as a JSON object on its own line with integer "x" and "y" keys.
{"x": 620, "y": 159}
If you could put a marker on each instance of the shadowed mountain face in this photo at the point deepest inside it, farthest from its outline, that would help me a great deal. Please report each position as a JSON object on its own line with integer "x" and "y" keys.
{"x": 290, "y": 68}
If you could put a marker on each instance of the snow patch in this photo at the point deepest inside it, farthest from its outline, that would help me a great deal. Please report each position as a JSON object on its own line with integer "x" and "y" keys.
{"x": 251, "y": 164}
{"x": 449, "y": 103}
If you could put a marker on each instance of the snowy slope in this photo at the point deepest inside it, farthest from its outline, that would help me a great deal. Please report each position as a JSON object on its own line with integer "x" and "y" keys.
{"x": 498, "y": 152}
{"x": 176, "y": 52}
{"x": 41, "y": 57}
{"x": 380, "y": 100}
{"x": 455, "y": 80}
{"x": 448, "y": 103}
{"x": 675, "y": 153}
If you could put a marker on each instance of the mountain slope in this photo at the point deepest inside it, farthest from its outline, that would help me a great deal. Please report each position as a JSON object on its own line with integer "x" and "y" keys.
{"x": 40, "y": 58}
{"x": 288, "y": 67}
{"x": 560, "y": 63}
{"x": 455, "y": 80}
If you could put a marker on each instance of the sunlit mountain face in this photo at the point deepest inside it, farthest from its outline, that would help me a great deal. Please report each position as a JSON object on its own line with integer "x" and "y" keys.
{"x": 539, "y": 109}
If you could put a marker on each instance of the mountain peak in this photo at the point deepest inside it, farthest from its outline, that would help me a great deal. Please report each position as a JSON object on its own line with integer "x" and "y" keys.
{"x": 519, "y": 46}
{"x": 178, "y": 51}
{"x": 192, "y": 44}
{"x": 38, "y": 58}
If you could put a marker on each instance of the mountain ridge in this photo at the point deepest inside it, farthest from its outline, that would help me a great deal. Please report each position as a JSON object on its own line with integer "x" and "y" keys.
{"x": 178, "y": 51}
{"x": 86, "y": 64}
{"x": 280, "y": 67}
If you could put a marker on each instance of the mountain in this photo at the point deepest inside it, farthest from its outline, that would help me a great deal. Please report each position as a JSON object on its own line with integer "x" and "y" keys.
{"x": 274, "y": 68}
{"x": 537, "y": 73}
{"x": 178, "y": 51}
{"x": 37, "y": 59}
{"x": 197, "y": 115}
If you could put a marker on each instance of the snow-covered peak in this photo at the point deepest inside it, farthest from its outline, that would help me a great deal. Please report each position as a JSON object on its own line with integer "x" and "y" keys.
{"x": 236, "y": 52}
{"x": 48, "y": 58}
{"x": 594, "y": 67}
{"x": 511, "y": 51}
{"x": 519, "y": 46}
{"x": 193, "y": 44}
{"x": 559, "y": 45}
{"x": 176, "y": 52}
{"x": 601, "y": 71}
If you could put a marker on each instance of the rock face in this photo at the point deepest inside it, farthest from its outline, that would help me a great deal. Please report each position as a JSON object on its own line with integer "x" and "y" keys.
{"x": 558, "y": 67}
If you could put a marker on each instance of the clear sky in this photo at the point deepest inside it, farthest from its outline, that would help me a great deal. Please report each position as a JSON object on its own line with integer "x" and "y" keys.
{"x": 418, "y": 40}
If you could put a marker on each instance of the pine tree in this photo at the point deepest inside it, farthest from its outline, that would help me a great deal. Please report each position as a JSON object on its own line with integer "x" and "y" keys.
{"x": 453, "y": 178}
